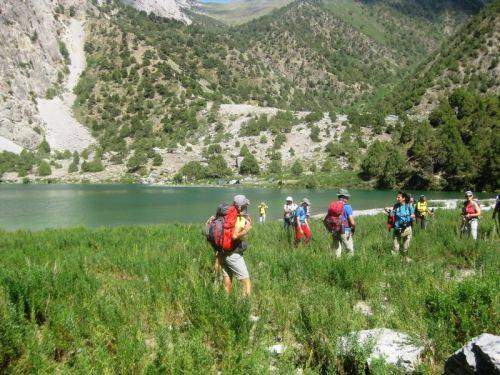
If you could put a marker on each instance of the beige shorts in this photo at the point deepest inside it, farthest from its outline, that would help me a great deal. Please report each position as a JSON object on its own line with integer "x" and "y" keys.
{"x": 234, "y": 264}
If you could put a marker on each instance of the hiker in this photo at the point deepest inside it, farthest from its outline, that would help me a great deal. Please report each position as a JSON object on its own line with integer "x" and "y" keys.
{"x": 470, "y": 215}
{"x": 496, "y": 213}
{"x": 289, "y": 214}
{"x": 403, "y": 217}
{"x": 262, "y": 212}
{"x": 308, "y": 212}
{"x": 226, "y": 232}
{"x": 339, "y": 221}
{"x": 302, "y": 228}
{"x": 422, "y": 212}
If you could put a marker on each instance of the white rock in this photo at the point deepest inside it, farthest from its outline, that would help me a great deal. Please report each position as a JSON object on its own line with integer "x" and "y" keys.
{"x": 481, "y": 355}
{"x": 393, "y": 347}
{"x": 277, "y": 349}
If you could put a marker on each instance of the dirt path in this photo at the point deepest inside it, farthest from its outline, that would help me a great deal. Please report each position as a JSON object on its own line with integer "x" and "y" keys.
{"x": 62, "y": 131}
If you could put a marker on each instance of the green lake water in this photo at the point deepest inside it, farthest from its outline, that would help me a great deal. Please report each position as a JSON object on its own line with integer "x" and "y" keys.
{"x": 37, "y": 207}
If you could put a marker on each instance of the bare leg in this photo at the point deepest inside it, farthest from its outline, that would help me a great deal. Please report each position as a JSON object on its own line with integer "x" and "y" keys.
{"x": 336, "y": 246}
{"x": 395, "y": 245}
{"x": 247, "y": 285}
{"x": 228, "y": 285}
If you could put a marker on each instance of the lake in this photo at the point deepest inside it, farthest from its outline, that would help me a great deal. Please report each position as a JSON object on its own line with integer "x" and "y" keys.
{"x": 37, "y": 207}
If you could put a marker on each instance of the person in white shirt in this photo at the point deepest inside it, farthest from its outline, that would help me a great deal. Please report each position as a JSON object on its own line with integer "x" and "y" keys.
{"x": 288, "y": 215}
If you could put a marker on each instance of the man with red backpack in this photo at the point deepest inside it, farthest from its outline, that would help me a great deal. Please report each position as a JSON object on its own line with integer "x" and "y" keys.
{"x": 226, "y": 232}
{"x": 339, "y": 221}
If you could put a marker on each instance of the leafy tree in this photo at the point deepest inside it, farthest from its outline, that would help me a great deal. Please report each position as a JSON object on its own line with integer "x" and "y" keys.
{"x": 297, "y": 169}
{"x": 157, "y": 160}
{"x": 327, "y": 166}
{"x": 193, "y": 171}
{"x": 44, "y": 148}
{"x": 249, "y": 165}
{"x": 44, "y": 169}
{"x": 73, "y": 167}
{"x": 374, "y": 161}
{"x": 244, "y": 151}
{"x": 217, "y": 167}
{"x": 275, "y": 167}
{"x": 92, "y": 166}
{"x": 136, "y": 162}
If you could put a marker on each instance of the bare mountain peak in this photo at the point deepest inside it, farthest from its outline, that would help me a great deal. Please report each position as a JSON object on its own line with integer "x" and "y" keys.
{"x": 174, "y": 9}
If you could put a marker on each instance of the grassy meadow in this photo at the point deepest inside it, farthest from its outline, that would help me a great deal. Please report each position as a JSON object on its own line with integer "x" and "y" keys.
{"x": 146, "y": 299}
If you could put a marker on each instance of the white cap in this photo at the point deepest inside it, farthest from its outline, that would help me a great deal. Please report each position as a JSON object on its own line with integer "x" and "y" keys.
{"x": 289, "y": 199}
{"x": 240, "y": 200}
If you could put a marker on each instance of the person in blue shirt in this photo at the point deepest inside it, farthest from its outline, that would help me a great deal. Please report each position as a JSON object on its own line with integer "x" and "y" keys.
{"x": 404, "y": 216}
{"x": 302, "y": 229}
{"x": 345, "y": 240}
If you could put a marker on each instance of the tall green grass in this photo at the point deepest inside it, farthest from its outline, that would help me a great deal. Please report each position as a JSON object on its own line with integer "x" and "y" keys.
{"x": 146, "y": 299}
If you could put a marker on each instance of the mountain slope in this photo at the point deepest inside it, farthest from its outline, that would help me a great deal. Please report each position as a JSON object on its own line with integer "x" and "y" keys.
{"x": 469, "y": 59}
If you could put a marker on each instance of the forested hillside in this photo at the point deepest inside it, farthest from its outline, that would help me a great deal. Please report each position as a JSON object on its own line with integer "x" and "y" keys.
{"x": 454, "y": 141}
{"x": 304, "y": 89}
{"x": 469, "y": 59}
{"x": 149, "y": 80}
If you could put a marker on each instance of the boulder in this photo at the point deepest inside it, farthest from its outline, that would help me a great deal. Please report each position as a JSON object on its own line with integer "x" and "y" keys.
{"x": 481, "y": 355}
{"x": 395, "y": 348}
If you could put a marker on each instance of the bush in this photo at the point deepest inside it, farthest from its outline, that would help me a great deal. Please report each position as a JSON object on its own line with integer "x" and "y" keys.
{"x": 217, "y": 167}
{"x": 92, "y": 166}
{"x": 275, "y": 167}
{"x": 157, "y": 160}
{"x": 249, "y": 165}
{"x": 73, "y": 167}
{"x": 137, "y": 161}
{"x": 44, "y": 169}
{"x": 297, "y": 169}
{"x": 44, "y": 148}
{"x": 193, "y": 171}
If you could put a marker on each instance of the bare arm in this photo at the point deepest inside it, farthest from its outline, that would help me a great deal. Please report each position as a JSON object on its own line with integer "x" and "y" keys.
{"x": 239, "y": 233}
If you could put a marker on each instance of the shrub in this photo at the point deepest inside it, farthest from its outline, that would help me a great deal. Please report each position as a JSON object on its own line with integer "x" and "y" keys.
{"x": 157, "y": 160}
{"x": 92, "y": 166}
{"x": 193, "y": 171}
{"x": 217, "y": 167}
{"x": 249, "y": 165}
{"x": 44, "y": 169}
{"x": 136, "y": 161}
{"x": 73, "y": 167}
{"x": 275, "y": 167}
{"x": 297, "y": 169}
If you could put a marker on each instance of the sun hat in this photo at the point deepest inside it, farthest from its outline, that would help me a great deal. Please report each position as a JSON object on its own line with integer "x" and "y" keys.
{"x": 289, "y": 199}
{"x": 306, "y": 201}
{"x": 240, "y": 200}
{"x": 343, "y": 193}
{"x": 469, "y": 193}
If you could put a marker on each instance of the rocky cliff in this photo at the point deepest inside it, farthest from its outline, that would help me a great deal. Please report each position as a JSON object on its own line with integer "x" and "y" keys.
{"x": 32, "y": 62}
{"x": 165, "y": 8}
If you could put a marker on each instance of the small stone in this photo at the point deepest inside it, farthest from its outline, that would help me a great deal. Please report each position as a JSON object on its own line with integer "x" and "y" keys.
{"x": 254, "y": 318}
{"x": 277, "y": 349}
{"x": 363, "y": 308}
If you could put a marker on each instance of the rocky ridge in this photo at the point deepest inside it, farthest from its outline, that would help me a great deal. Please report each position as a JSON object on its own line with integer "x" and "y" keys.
{"x": 174, "y": 9}
{"x": 31, "y": 63}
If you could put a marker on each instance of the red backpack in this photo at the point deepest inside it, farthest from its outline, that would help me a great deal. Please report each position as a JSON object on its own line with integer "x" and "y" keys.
{"x": 333, "y": 220}
{"x": 219, "y": 229}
